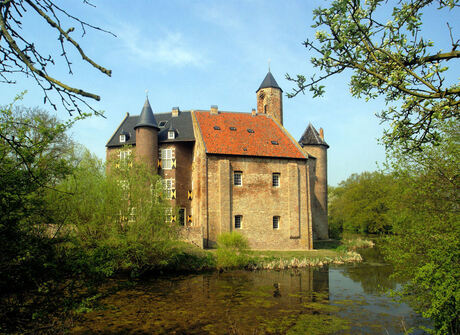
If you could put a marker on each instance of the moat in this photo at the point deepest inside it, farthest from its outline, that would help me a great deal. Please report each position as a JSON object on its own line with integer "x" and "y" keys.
{"x": 334, "y": 300}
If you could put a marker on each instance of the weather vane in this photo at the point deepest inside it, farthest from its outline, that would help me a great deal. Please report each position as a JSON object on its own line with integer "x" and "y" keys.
{"x": 269, "y": 60}
{"x": 146, "y": 93}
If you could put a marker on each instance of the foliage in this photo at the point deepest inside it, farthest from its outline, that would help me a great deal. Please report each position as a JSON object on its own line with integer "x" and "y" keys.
{"x": 119, "y": 221}
{"x": 21, "y": 55}
{"x": 35, "y": 154}
{"x": 425, "y": 247}
{"x": 232, "y": 250}
{"x": 361, "y": 203}
{"x": 65, "y": 225}
{"x": 389, "y": 57}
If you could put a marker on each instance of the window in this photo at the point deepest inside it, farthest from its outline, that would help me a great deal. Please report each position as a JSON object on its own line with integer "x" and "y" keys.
{"x": 237, "y": 178}
{"x": 132, "y": 214}
{"x": 124, "y": 186}
{"x": 216, "y": 128}
{"x": 233, "y": 128}
{"x": 275, "y": 142}
{"x": 162, "y": 124}
{"x": 168, "y": 185}
{"x": 125, "y": 155}
{"x": 171, "y": 135}
{"x": 276, "y": 179}
{"x": 122, "y": 138}
{"x": 251, "y": 131}
{"x": 238, "y": 221}
{"x": 276, "y": 222}
{"x": 182, "y": 216}
{"x": 166, "y": 159}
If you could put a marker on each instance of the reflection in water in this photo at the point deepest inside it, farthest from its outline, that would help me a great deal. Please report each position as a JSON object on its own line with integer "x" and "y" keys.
{"x": 308, "y": 301}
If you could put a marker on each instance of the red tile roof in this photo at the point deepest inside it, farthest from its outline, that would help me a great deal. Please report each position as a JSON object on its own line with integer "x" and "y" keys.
{"x": 241, "y": 141}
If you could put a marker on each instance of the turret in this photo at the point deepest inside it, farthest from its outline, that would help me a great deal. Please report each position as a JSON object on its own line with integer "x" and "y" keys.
{"x": 314, "y": 145}
{"x": 147, "y": 137}
{"x": 270, "y": 98}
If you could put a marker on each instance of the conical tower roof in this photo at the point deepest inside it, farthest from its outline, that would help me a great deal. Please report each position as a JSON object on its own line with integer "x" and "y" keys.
{"x": 147, "y": 119}
{"x": 269, "y": 81}
{"x": 311, "y": 137}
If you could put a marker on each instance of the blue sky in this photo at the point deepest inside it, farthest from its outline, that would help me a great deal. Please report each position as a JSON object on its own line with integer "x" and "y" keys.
{"x": 194, "y": 54}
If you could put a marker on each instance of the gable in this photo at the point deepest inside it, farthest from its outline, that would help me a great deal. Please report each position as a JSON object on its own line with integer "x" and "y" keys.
{"x": 244, "y": 134}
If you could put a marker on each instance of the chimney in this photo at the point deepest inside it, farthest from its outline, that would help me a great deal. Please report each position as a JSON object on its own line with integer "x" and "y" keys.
{"x": 214, "y": 110}
{"x": 254, "y": 113}
{"x": 321, "y": 133}
{"x": 175, "y": 112}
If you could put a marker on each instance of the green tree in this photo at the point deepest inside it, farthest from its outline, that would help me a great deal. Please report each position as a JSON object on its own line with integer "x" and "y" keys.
{"x": 35, "y": 154}
{"x": 425, "y": 246}
{"x": 360, "y": 204}
{"x": 388, "y": 56}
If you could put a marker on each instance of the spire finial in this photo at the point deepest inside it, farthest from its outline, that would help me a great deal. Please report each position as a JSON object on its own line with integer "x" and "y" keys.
{"x": 147, "y": 94}
{"x": 269, "y": 60}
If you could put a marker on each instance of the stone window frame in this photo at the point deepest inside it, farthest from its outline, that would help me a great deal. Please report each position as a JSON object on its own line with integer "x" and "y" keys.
{"x": 168, "y": 185}
{"x": 171, "y": 135}
{"x": 238, "y": 178}
{"x": 122, "y": 138}
{"x": 167, "y": 160}
{"x": 276, "y": 222}
{"x": 238, "y": 222}
{"x": 276, "y": 179}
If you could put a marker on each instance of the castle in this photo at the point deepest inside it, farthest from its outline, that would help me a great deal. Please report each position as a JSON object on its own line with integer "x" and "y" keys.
{"x": 227, "y": 171}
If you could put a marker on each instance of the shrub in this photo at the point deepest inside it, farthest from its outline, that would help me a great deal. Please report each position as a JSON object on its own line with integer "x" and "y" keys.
{"x": 232, "y": 251}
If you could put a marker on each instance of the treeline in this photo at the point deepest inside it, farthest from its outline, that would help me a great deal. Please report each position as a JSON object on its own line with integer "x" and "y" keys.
{"x": 65, "y": 226}
{"x": 415, "y": 202}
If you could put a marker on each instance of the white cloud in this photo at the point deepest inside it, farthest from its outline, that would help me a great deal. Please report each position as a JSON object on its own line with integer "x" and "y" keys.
{"x": 170, "y": 49}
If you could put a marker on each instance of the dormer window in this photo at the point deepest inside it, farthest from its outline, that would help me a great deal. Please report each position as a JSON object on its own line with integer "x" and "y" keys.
{"x": 171, "y": 134}
{"x": 162, "y": 124}
{"x": 122, "y": 138}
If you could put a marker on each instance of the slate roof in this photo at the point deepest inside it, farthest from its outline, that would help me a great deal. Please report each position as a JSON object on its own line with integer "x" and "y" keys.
{"x": 182, "y": 125}
{"x": 311, "y": 137}
{"x": 219, "y": 138}
{"x": 146, "y": 119}
{"x": 269, "y": 81}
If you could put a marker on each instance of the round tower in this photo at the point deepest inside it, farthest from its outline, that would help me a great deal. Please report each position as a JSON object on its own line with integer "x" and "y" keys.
{"x": 314, "y": 145}
{"x": 147, "y": 137}
{"x": 270, "y": 98}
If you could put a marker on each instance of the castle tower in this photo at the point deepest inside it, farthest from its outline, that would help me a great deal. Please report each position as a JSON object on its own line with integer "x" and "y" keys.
{"x": 270, "y": 98}
{"x": 314, "y": 145}
{"x": 147, "y": 137}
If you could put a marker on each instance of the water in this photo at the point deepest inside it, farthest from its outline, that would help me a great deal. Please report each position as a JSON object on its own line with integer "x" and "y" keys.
{"x": 334, "y": 300}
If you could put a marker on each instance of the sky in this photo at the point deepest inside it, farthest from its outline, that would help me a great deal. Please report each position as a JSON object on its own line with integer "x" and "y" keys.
{"x": 194, "y": 54}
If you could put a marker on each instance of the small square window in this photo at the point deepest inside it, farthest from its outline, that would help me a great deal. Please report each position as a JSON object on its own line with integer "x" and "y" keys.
{"x": 171, "y": 135}
{"x": 237, "y": 178}
{"x": 238, "y": 221}
{"x": 276, "y": 222}
{"x": 122, "y": 138}
{"x": 276, "y": 179}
